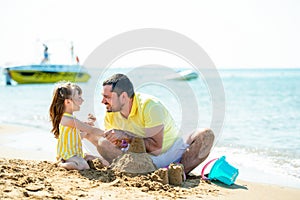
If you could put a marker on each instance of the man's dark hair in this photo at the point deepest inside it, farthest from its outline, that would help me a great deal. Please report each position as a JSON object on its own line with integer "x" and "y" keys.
{"x": 120, "y": 83}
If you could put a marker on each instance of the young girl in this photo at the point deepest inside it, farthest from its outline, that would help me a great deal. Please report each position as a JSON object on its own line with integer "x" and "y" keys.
{"x": 67, "y": 129}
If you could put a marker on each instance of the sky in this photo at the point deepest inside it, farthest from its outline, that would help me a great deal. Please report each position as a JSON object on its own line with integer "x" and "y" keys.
{"x": 234, "y": 33}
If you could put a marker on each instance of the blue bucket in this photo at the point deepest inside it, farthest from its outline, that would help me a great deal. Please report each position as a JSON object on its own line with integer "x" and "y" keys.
{"x": 221, "y": 171}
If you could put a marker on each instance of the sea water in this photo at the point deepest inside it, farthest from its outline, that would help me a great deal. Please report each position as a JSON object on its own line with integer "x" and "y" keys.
{"x": 261, "y": 130}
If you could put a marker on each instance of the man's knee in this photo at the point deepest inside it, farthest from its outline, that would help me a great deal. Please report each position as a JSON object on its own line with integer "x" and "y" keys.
{"x": 103, "y": 145}
{"x": 92, "y": 138}
{"x": 209, "y": 133}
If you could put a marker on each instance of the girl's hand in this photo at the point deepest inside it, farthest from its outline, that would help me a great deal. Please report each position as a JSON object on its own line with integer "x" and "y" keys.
{"x": 91, "y": 119}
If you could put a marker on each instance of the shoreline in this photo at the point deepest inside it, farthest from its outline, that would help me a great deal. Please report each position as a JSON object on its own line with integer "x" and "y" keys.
{"x": 16, "y": 142}
{"x": 29, "y": 152}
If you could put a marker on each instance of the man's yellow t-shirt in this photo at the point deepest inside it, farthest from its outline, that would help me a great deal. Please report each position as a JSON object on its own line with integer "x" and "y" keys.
{"x": 146, "y": 112}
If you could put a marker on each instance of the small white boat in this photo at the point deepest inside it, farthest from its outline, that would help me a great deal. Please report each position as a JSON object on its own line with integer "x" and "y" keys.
{"x": 46, "y": 73}
{"x": 187, "y": 74}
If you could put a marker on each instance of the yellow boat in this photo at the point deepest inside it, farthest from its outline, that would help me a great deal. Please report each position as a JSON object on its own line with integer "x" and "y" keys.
{"x": 47, "y": 73}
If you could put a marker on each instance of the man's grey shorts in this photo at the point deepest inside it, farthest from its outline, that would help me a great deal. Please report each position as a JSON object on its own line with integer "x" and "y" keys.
{"x": 173, "y": 154}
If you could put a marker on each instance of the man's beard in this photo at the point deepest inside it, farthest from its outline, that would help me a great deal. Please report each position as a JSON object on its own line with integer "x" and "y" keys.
{"x": 110, "y": 109}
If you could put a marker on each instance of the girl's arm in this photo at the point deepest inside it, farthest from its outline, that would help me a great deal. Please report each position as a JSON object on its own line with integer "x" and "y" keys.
{"x": 84, "y": 127}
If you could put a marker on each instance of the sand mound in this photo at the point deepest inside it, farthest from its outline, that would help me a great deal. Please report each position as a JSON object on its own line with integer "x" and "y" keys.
{"x": 136, "y": 161}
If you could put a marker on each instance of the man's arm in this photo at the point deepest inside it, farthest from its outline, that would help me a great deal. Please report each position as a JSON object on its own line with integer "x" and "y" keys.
{"x": 154, "y": 139}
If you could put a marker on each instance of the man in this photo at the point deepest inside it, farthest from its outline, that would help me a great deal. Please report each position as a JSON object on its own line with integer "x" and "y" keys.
{"x": 131, "y": 114}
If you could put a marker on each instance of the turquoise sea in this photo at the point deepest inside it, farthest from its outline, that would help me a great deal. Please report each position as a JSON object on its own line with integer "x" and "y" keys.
{"x": 261, "y": 129}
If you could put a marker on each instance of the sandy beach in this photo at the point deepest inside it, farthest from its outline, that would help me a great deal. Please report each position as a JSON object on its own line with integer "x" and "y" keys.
{"x": 34, "y": 174}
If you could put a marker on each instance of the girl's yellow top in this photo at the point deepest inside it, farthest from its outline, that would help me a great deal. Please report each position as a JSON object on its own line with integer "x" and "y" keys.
{"x": 69, "y": 141}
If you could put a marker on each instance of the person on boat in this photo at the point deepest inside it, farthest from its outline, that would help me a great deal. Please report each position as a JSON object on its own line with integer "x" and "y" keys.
{"x": 46, "y": 54}
{"x": 131, "y": 114}
{"x": 72, "y": 50}
{"x": 67, "y": 98}
{"x": 72, "y": 55}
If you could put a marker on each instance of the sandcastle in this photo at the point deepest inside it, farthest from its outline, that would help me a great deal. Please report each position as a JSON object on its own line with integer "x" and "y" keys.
{"x": 134, "y": 162}
{"x": 175, "y": 174}
{"x": 137, "y": 162}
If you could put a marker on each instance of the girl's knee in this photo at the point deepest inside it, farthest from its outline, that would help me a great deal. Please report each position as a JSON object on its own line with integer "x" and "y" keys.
{"x": 68, "y": 165}
{"x": 79, "y": 163}
{"x": 83, "y": 166}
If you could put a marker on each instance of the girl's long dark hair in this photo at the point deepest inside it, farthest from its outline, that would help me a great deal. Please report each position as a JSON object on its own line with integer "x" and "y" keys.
{"x": 64, "y": 90}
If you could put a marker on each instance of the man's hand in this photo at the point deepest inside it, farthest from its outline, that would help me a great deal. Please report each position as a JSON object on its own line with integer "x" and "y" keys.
{"x": 119, "y": 138}
{"x": 115, "y": 136}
